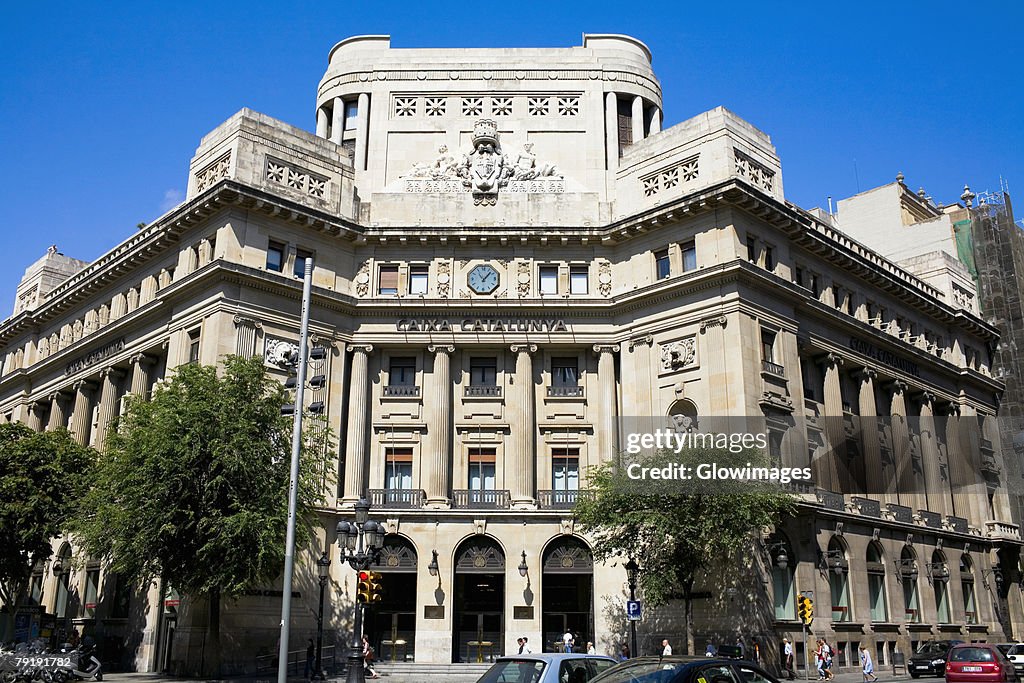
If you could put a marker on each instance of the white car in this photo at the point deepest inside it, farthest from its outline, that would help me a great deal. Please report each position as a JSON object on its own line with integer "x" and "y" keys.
{"x": 1016, "y": 655}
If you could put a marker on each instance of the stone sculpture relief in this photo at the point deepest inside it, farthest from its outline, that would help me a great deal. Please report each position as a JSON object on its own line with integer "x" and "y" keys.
{"x": 279, "y": 352}
{"x": 678, "y": 354}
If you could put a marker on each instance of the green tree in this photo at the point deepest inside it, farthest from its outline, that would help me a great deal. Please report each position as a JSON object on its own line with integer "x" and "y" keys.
{"x": 194, "y": 486}
{"x": 42, "y": 476}
{"x": 675, "y": 528}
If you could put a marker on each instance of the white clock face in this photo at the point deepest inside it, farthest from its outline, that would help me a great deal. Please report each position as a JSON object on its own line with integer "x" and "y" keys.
{"x": 483, "y": 279}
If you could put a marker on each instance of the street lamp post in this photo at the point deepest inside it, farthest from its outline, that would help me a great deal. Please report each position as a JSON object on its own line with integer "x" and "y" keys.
{"x": 323, "y": 568}
{"x": 631, "y": 571}
{"x": 361, "y": 543}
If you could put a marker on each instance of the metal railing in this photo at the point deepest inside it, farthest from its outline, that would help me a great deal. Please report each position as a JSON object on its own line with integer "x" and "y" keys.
{"x": 556, "y": 500}
{"x": 396, "y": 498}
{"x": 477, "y": 499}
{"x": 401, "y": 390}
{"x": 297, "y": 662}
{"x": 482, "y": 390}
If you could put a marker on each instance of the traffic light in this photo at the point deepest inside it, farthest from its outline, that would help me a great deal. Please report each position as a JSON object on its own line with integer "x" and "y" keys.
{"x": 363, "y": 589}
{"x": 805, "y": 609}
{"x": 376, "y": 587}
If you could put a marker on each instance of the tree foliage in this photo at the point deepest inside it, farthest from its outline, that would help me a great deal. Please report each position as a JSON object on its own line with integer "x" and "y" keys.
{"x": 42, "y": 476}
{"x": 194, "y": 485}
{"x": 673, "y": 529}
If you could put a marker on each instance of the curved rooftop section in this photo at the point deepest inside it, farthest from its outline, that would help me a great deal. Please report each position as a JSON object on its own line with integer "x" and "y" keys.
{"x": 616, "y": 41}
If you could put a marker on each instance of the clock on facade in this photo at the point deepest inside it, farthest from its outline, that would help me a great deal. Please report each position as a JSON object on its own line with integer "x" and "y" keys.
{"x": 483, "y": 279}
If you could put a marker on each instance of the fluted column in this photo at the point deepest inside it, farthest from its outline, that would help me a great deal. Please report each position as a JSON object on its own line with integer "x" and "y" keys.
{"x": 141, "y": 363}
{"x": 521, "y": 465}
{"x": 828, "y": 470}
{"x": 58, "y": 412}
{"x": 81, "y": 414}
{"x": 35, "y": 418}
{"x": 608, "y": 432}
{"x": 357, "y": 453}
{"x": 337, "y": 120}
{"x": 934, "y": 487}
{"x": 869, "y": 424}
{"x": 439, "y": 428}
{"x": 362, "y": 131}
{"x": 611, "y": 130}
{"x": 321, "y": 122}
{"x": 111, "y": 380}
{"x": 247, "y": 331}
{"x": 902, "y": 455}
{"x": 638, "y": 119}
{"x": 962, "y": 475}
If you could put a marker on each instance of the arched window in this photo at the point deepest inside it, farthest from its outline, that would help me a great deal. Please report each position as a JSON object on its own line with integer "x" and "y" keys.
{"x": 783, "y": 568}
{"x": 876, "y": 583}
{"x": 683, "y": 414}
{"x": 939, "y": 572}
{"x": 908, "y": 577}
{"x": 62, "y": 570}
{"x": 839, "y": 568}
{"x": 967, "y": 588}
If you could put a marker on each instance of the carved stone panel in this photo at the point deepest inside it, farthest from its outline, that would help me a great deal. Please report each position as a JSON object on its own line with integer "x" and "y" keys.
{"x": 678, "y": 354}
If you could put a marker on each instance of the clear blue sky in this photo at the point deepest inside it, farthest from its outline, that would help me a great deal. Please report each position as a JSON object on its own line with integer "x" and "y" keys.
{"x": 102, "y": 104}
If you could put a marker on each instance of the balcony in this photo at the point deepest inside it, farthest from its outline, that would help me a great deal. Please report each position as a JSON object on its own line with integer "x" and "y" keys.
{"x": 482, "y": 391}
{"x": 900, "y": 513}
{"x": 773, "y": 368}
{"x": 402, "y": 390}
{"x": 556, "y": 500}
{"x": 477, "y": 499}
{"x": 1002, "y": 530}
{"x": 565, "y": 391}
{"x": 396, "y": 499}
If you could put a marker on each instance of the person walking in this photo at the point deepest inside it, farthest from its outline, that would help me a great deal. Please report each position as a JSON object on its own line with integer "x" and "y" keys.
{"x": 526, "y": 646}
{"x": 787, "y": 659}
{"x": 310, "y": 660}
{"x": 368, "y": 657}
{"x": 826, "y": 651}
{"x": 819, "y": 659}
{"x": 666, "y": 649}
{"x": 867, "y": 666}
{"x": 591, "y": 650}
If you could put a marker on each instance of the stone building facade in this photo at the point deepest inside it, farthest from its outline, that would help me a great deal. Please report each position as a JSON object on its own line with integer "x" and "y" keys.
{"x": 510, "y": 255}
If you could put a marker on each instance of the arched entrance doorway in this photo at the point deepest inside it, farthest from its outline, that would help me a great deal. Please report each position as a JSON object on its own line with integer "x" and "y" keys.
{"x": 479, "y": 605}
{"x": 391, "y": 623}
{"x": 567, "y": 592}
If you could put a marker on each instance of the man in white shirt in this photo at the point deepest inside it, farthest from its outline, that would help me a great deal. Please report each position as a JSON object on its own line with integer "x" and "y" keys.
{"x": 787, "y": 652}
{"x": 666, "y": 648}
{"x": 526, "y": 647}
{"x": 567, "y": 641}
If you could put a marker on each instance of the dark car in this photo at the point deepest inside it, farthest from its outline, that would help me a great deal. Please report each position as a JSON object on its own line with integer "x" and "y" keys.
{"x": 978, "y": 663}
{"x": 930, "y": 658}
{"x": 682, "y": 669}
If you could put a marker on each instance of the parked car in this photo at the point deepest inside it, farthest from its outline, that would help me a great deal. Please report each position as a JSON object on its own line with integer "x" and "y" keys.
{"x": 930, "y": 658}
{"x": 547, "y": 668}
{"x": 1016, "y": 656}
{"x": 1005, "y": 647}
{"x": 978, "y": 663}
{"x": 682, "y": 669}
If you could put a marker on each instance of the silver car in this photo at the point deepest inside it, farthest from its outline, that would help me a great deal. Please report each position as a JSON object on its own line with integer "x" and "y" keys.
{"x": 1015, "y": 653}
{"x": 547, "y": 668}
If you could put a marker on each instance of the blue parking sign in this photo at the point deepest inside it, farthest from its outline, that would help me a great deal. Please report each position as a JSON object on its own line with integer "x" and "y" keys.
{"x": 633, "y": 610}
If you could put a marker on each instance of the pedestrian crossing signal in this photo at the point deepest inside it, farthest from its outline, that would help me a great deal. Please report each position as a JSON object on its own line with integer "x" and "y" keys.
{"x": 805, "y": 609}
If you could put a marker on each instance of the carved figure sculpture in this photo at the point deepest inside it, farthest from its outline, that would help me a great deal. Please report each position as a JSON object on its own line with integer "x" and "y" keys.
{"x": 525, "y": 167}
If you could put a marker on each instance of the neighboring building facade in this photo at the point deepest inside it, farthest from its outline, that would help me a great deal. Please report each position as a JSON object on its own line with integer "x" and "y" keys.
{"x": 510, "y": 256}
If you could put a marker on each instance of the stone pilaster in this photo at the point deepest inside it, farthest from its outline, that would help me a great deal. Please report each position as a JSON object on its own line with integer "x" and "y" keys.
{"x": 607, "y": 404}
{"x": 81, "y": 414}
{"x": 439, "y": 428}
{"x": 110, "y": 379}
{"x": 247, "y": 331}
{"x": 521, "y": 465}
{"x": 357, "y": 452}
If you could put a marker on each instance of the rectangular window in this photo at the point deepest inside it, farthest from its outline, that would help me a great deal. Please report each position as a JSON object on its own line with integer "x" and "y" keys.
{"x": 662, "y": 265}
{"x": 564, "y": 372}
{"x": 752, "y": 249}
{"x": 815, "y": 286}
{"x": 418, "y": 279}
{"x": 398, "y": 468}
{"x": 402, "y": 371}
{"x": 92, "y": 587}
{"x": 549, "y": 279}
{"x": 36, "y": 589}
{"x": 565, "y": 469}
{"x": 122, "y": 598}
{"x": 63, "y": 593}
{"x": 689, "y": 250}
{"x": 769, "y": 258}
{"x": 481, "y": 468}
{"x": 275, "y": 256}
{"x": 768, "y": 346}
{"x": 483, "y": 372}
{"x": 193, "y": 346}
{"x": 351, "y": 114}
{"x": 388, "y": 281}
{"x": 299, "y": 268}
{"x": 625, "y": 124}
{"x": 578, "y": 283}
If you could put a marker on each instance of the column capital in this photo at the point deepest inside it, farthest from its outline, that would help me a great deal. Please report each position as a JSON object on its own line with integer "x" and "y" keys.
{"x": 951, "y": 408}
{"x": 241, "y": 320}
{"x": 897, "y": 386}
{"x": 142, "y": 359}
{"x": 441, "y": 348}
{"x": 111, "y": 371}
{"x": 58, "y": 395}
{"x": 84, "y": 385}
{"x": 606, "y": 348}
{"x": 364, "y": 348}
{"x": 638, "y": 341}
{"x": 717, "y": 321}
{"x": 523, "y": 348}
{"x": 925, "y": 396}
{"x": 866, "y": 374}
{"x": 831, "y": 358}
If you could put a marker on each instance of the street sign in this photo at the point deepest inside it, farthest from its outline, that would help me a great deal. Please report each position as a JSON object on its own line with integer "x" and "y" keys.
{"x": 633, "y": 610}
